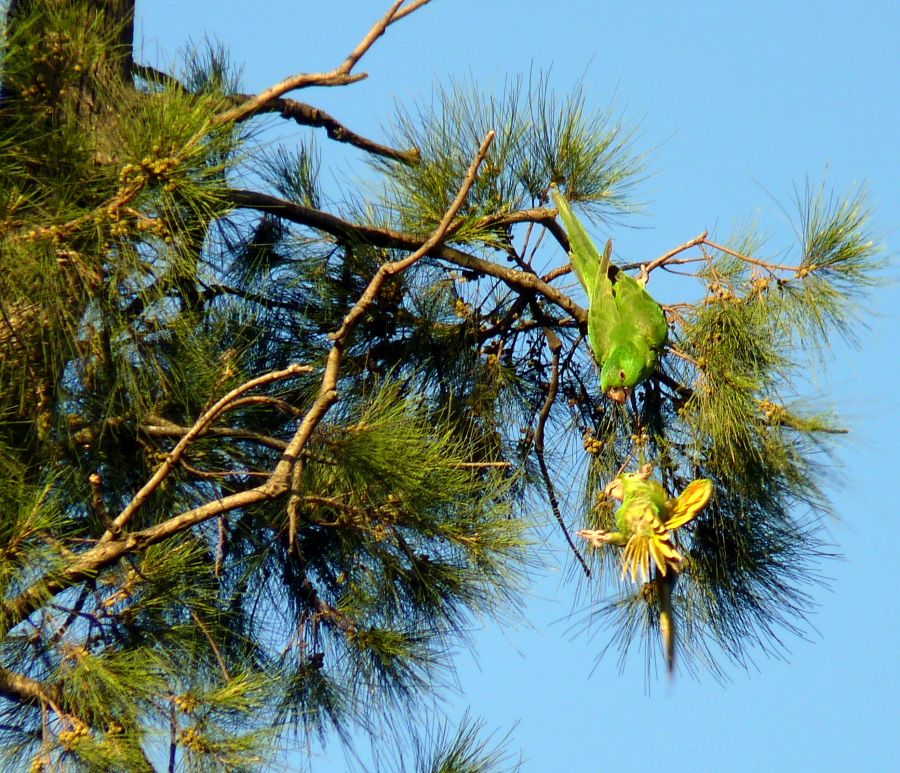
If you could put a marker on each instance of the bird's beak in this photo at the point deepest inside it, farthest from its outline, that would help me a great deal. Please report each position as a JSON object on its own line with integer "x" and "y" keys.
{"x": 618, "y": 394}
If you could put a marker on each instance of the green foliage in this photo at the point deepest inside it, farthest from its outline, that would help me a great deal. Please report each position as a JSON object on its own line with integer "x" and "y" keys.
{"x": 408, "y": 541}
{"x": 540, "y": 139}
{"x": 463, "y": 750}
{"x": 258, "y": 471}
{"x": 295, "y": 174}
{"x": 727, "y": 409}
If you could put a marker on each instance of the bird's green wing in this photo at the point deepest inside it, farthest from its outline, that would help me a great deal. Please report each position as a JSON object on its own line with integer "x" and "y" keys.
{"x": 586, "y": 258}
{"x": 643, "y": 314}
{"x": 592, "y": 269}
{"x": 604, "y": 319}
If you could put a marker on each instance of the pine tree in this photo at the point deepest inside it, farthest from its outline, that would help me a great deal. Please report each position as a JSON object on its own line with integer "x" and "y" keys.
{"x": 263, "y": 457}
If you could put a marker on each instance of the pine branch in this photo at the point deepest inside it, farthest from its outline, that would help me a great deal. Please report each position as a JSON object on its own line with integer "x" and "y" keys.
{"x": 94, "y": 560}
{"x": 328, "y": 392}
{"x": 115, "y": 545}
{"x": 199, "y": 427}
{"x": 385, "y": 237}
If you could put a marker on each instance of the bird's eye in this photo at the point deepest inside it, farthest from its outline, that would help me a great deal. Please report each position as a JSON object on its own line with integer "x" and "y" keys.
{"x": 621, "y": 375}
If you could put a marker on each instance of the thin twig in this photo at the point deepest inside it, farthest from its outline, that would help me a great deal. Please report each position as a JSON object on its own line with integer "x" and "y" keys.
{"x": 662, "y": 259}
{"x": 478, "y": 465}
{"x": 282, "y": 405}
{"x": 678, "y": 353}
{"x": 748, "y": 259}
{"x": 701, "y": 241}
{"x": 406, "y": 10}
{"x": 540, "y": 239}
{"x": 163, "y": 428}
{"x": 74, "y": 612}
{"x": 212, "y": 643}
{"x": 378, "y": 29}
{"x": 173, "y": 736}
{"x": 221, "y": 546}
{"x": 555, "y": 347}
{"x": 220, "y": 474}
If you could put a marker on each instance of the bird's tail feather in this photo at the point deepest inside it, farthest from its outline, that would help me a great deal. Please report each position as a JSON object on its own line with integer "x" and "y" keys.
{"x": 667, "y": 621}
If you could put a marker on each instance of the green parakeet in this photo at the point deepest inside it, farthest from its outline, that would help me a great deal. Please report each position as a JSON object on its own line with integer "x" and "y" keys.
{"x": 626, "y": 327}
{"x": 645, "y": 522}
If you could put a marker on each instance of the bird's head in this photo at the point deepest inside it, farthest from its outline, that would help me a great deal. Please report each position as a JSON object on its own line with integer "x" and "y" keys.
{"x": 626, "y": 483}
{"x": 621, "y": 372}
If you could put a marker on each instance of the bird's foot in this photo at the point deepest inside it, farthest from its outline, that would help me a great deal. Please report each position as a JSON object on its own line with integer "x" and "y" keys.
{"x": 596, "y": 537}
{"x": 645, "y": 471}
{"x": 643, "y": 276}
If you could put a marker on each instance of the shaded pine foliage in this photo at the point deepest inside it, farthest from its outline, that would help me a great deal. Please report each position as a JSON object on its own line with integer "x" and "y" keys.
{"x": 263, "y": 457}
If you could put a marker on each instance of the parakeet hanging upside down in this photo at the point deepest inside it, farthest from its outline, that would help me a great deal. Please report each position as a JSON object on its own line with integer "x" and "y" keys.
{"x": 626, "y": 327}
{"x": 645, "y": 522}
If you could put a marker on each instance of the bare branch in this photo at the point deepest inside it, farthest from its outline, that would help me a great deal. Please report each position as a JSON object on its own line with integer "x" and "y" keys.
{"x": 747, "y": 259}
{"x": 299, "y": 112}
{"x": 176, "y": 453}
{"x": 408, "y": 9}
{"x": 662, "y": 259}
{"x": 23, "y": 689}
{"x": 372, "y": 35}
{"x": 249, "y": 108}
{"x": 307, "y": 115}
{"x": 163, "y": 428}
{"x": 700, "y": 241}
{"x": 339, "y": 76}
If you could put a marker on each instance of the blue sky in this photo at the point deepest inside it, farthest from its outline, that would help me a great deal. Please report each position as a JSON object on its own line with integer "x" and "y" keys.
{"x": 736, "y": 102}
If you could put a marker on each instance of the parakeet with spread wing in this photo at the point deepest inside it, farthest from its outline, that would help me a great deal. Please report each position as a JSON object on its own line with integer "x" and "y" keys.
{"x": 626, "y": 327}
{"x": 645, "y": 521}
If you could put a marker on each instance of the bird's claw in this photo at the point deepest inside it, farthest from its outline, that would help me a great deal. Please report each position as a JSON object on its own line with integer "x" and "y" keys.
{"x": 643, "y": 275}
{"x": 595, "y": 537}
